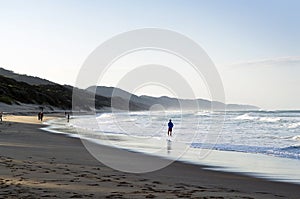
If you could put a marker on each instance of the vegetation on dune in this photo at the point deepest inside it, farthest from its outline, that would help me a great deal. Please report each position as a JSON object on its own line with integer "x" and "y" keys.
{"x": 14, "y": 92}
{"x": 54, "y": 95}
{"x": 24, "y": 78}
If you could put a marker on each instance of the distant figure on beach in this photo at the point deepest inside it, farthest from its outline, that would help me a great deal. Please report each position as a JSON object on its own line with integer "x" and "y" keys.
{"x": 68, "y": 117}
{"x": 1, "y": 116}
{"x": 170, "y": 125}
{"x": 42, "y": 115}
{"x": 39, "y": 116}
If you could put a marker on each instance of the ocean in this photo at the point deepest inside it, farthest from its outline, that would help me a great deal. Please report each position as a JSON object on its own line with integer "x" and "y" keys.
{"x": 260, "y": 143}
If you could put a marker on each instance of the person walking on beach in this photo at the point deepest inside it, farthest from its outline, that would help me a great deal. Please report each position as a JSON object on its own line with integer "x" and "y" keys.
{"x": 68, "y": 117}
{"x": 42, "y": 115}
{"x": 1, "y": 116}
{"x": 170, "y": 125}
{"x": 39, "y": 116}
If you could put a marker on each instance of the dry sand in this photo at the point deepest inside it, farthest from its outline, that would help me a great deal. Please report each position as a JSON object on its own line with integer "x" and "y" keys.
{"x": 37, "y": 164}
{"x": 26, "y": 119}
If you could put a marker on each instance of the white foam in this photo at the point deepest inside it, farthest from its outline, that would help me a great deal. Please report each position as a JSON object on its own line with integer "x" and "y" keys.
{"x": 294, "y": 125}
{"x": 269, "y": 119}
{"x": 297, "y": 137}
{"x": 203, "y": 113}
{"x": 105, "y": 115}
{"x": 246, "y": 116}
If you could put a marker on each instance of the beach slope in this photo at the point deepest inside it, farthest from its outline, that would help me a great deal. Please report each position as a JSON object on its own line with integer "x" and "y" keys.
{"x": 37, "y": 164}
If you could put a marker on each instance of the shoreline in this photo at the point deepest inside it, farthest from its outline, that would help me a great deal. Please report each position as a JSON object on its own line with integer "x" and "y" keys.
{"x": 56, "y": 165}
{"x": 271, "y": 168}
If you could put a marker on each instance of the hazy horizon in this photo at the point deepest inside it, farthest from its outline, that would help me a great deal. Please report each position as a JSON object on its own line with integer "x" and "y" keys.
{"x": 254, "y": 44}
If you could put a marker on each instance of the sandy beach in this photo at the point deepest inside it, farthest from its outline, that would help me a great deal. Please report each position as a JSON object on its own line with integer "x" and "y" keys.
{"x": 37, "y": 164}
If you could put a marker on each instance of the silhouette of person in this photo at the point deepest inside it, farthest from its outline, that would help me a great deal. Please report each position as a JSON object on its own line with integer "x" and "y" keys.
{"x": 170, "y": 125}
{"x": 42, "y": 115}
{"x": 68, "y": 117}
{"x": 39, "y": 116}
{"x": 1, "y": 116}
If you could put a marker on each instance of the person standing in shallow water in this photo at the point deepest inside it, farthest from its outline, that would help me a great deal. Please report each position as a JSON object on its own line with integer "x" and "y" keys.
{"x": 170, "y": 125}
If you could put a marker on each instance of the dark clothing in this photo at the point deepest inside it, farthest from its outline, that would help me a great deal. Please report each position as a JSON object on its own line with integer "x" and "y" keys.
{"x": 170, "y": 125}
{"x": 42, "y": 115}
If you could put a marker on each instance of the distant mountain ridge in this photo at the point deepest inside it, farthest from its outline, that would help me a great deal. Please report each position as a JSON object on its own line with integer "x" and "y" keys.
{"x": 167, "y": 102}
{"x": 24, "y": 89}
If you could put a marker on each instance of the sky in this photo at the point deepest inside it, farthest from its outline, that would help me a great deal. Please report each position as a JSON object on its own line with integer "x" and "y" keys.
{"x": 254, "y": 44}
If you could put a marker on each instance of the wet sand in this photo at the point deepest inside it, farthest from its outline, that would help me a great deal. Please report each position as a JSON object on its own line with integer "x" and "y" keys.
{"x": 37, "y": 164}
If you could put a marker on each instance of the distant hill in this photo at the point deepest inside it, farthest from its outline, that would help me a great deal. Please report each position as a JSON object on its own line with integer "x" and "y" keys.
{"x": 52, "y": 96}
{"x": 167, "y": 102}
{"x": 25, "y": 78}
{"x": 23, "y": 89}
{"x": 15, "y": 92}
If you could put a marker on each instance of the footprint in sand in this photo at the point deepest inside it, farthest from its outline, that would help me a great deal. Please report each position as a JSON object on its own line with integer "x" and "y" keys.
{"x": 114, "y": 196}
{"x": 156, "y": 182}
{"x": 150, "y": 196}
{"x": 123, "y": 184}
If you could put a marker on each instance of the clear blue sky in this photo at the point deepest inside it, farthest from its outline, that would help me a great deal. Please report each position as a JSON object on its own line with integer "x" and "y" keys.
{"x": 255, "y": 44}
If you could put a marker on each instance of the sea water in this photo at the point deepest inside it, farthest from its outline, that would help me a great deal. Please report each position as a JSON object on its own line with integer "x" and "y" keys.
{"x": 262, "y": 143}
